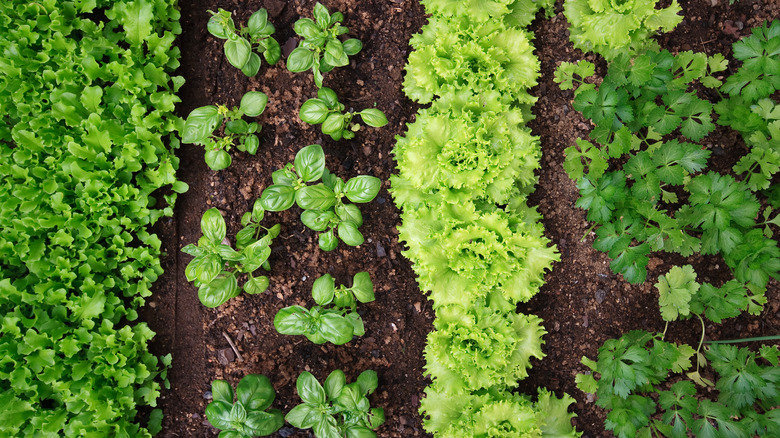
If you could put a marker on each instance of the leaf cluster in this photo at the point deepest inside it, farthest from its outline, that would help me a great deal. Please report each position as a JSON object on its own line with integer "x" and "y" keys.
{"x": 334, "y": 319}
{"x": 321, "y": 50}
{"x": 635, "y": 372}
{"x": 204, "y": 125}
{"x": 244, "y": 414}
{"x": 326, "y": 109}
{"x": 216, "y": 265}
{"x": 336, "y": 409}
{"x": 242, "y": 45}
{"x": 324, "y": 209}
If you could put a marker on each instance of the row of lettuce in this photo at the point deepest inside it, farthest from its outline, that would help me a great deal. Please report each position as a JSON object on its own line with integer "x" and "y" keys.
{"x": 465, "y": 169}
{"x": 87, "y": 103}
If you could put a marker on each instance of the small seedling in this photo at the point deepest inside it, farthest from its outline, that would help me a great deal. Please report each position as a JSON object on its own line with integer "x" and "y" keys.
{"x": 338, "y": 410}
{"x": 203, "y": 125}
{"x": 216, "y": 264}
{"x": 338, "y": 322}
{"x": 327, "y": 110}
{"x": 323, "y": 205}
{"x": 249, "y": 416}
{"x": 244, "y": 44}
{"x": 321, "y": 50}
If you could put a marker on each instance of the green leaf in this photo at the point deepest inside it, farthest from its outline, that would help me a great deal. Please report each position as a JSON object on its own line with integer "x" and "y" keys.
{"x": 360, "y": 432}
{"x": 349, "y": 212}
{"x": 256, "y": 285}
{"x": 277, "y": 197}
{"x": 212, "y": 224}
{"x": 257, "y": 22}
{"x": 368, "y": 381}
{"x": 334, "y": 383}
{"x": 352, "y": 46}
{"x": 306, "y": 28}
{"x": 314, "y": 111}
{"x": 237, "y": 52}
{"x": 373, "y": 117}
{"x": 587, "y": 155}
{"x": 317, "y": 220}
{"x": 676, "y": 289}
{"x": 218, "y": 414}
{"x": 293, "y": 320}
{"x": 316, "y": 197}
{"x": 362, "y": 287}
{"x": 222, "y": 391}
{"x": 264, "y": 423}
{"x": 221, "y": 289}
{"x": 335, "y": 329}
{"x": 272, "y": 52}
{"x": 362, "y": 188}
{"x": 321, "y": 16}
{"x": 349, "y": 234}
{"x": 328, "y": 241}
{"x": 253, "y": 103}
{"x": 568, "y": 72}
{"x": 255, "y": 392}
{"x": 218, "y": 159}
{"x": 310, "y": 163}
{"x": 333, "y": 125}
{"x": 323, "y": 290}
{"x": 200, "y": 124}
{"x": 137, "y": 17}
{"x": 309, "y": 389}
{"x": 252, "y": 65}
{"x": 300, "y": 59}
{"x": 303, "y": 416}
{"x": 216, "y": 27}
{"x": 328, "y": 96}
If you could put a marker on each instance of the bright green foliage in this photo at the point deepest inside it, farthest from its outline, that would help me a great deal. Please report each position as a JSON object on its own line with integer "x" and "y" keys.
{"x": 323, "y": 207}
{"x": 614, "y": 27}
{"x": 85, "y": 139}
{"x": 248, "y": 416}
{"x": 326, "y": 109}
{"x": 321, "y": 50}
{"x": 675, "y": 289}
{"x": 243, "y": 45}
{"x": 337, "y": 409}
{"x": 516, "y": 13}
{"x": 337, "y": 323}
{"x": 759, "y": 75}
{"x": 634, "y": 371}
{"x": 204, "y": 122}
{"x": 216, "y": 264}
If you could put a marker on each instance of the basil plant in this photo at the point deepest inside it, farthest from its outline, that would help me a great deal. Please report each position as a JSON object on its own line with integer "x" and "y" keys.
{"x": 321, "y": 50}
{"x": 216, "y": 266}
{"x": 243, "y": 45}
{"x": 337, "y": 409}
{"x": 334, "y": 319}
{"x": 323, "y": 205}
{"x": 326, "y": 109}
{"x": 204, "y": 124}
{"x": 248, "y": 415}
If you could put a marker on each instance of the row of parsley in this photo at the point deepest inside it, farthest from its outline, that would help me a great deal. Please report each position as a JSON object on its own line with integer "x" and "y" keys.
{"x": 87, "y": 102}
{"x": 465, "y": 168}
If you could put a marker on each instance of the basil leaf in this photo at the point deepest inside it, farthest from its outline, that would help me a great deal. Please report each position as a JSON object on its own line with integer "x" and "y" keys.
{"x": 316, "y": 197}
{"x": 334, "y": 384}
{"x": 334, "y": 54}
{"x": 272, "y": 51}
{"x": 309, "y": 389}
{"x": 253, "y": 103}
{"x": 274, "y": 231}
{"x": 237, "y": 52}
{"x": 302, "y": 416}
{"x": 264, "y": 423}
{"x": 300, "y": 59}
{"x": 328, "y": 241}
{"x": 376, "y": 417}
{"x": 373, "y": 117}
{"x": 336, "y": 329}
{"x": 310, "y": 163}
{"x": 216, "y": 28}
{"x": 335, "y": 18}
{"x": 238, "y": 413}
{"x": 256, "y": 285}
{"x": 306, "y": 28}
{"x": 212, "y": 224}
{"x": 218, "y": 414}
{"x": 283, "y": 177}
{"x": 210, "y": 266}
{"x": 352, "y": 46}
{"x": 193, "y": 250}
{"x": 277, "y": 197}
{"x": 357, "y": 323}
{"x": 314, "y": 111}
{"x": 217, "y": 159}
{"x": 237, "y": 127}
{"x": 362, "y": 287}
{"x": 222, "y": 391}
{"x": 258, "y": 212}
{"x": 251, "y": 143}
{"x": 252, "y": 65}
{"x": 349, "y": 234}
{"x": 255, "y": 255}
{"x": 349, "y": 212}
{"x": 362, "y": 188}
{"x": 317, "y": 220}
{"x": 257, "y": 22}
{"x": 293, "y": 320}
{"x": 316, "y": 72}
{"x": 200, "y": 124}
{"x": 333, "y": 125}
{"x": 323, "y": 290}
{"x": 221, "y": 289}
{"x": 325, "y": 429}
{"x": 368, "y": 382}
{"x": 321, "y": 15}
{"x": 255, "y": 392}
{"x": 328, "y": 96}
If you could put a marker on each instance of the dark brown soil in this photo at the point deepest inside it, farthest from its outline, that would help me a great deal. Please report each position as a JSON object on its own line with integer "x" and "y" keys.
{"x": 583, "y": 303}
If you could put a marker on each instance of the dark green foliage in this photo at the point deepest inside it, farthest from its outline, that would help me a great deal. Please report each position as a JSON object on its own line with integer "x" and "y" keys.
{"x": 334, "y": 319}
{"x": 325, "y": 109}
{"x": 248, "y": 415}
{"x": 243, "y": 45}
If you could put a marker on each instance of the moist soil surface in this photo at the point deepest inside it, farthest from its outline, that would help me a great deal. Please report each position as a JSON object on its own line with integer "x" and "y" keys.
{"x": 583, "y": 303}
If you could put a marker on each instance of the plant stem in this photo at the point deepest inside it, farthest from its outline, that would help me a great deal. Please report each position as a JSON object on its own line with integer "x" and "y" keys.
{"x": 701, "y": 341}
{"x": 757, "y": 339}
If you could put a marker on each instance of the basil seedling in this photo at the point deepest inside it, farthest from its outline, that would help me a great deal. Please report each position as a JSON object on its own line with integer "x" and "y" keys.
{"x": 338, "y": 409}
{"x": 326, "y": 109}
{"x": 321, "y": 50}
{"x": 323, "y": 205}
{"x": 338, "y": 322}
{"x": 203, "y": 124}
{"x": 248, "y": 416}
{"x": 216, "y": 264}
{"x": 243, "y": 45}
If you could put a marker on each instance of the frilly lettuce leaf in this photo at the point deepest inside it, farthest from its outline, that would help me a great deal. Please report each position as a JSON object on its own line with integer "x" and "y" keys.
{"x": 553, "y": 415}
{"x": 476, "y": 10}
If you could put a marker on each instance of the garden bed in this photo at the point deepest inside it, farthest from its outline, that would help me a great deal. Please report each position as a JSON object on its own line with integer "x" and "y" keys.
{"x": 583, "y": 303}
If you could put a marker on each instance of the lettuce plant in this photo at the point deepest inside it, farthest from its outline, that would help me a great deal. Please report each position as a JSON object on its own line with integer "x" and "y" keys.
{"x": 243, "y": 45}
{"x": 339, "y": 321}
{"x": 337, "y": 409}
{"x": 614, "y": 27}
{"x": 321, "y": 50}
{"x": 244, "y": 414}
{"x": 204, "y": 123}
{"x": 326, "y": 109}
{"x": 216, "y": 264}
{"x": 323, "y": 207}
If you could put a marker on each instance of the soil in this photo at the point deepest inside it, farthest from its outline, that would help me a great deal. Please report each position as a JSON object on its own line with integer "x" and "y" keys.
{"x": 583, "y": 303}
